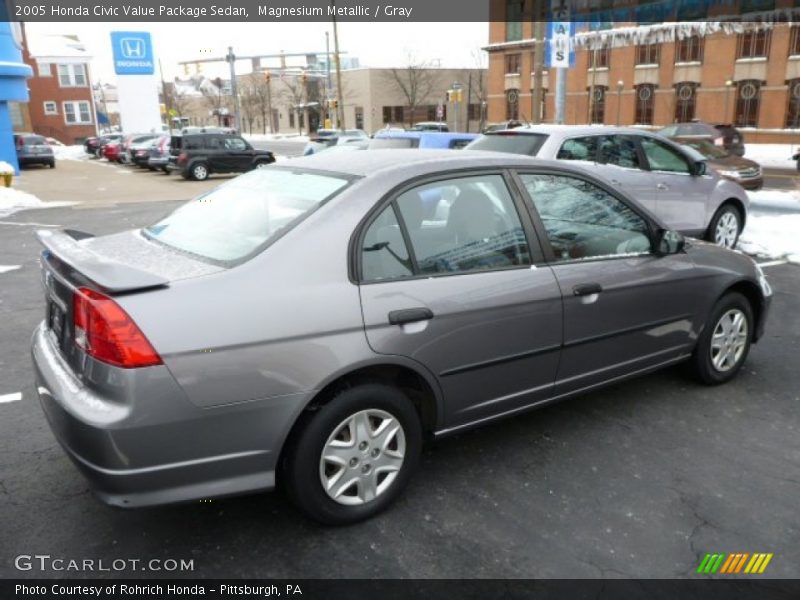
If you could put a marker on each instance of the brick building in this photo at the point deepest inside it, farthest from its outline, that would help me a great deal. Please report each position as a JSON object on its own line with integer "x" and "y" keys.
{"x": 61, "y": 101}
{"x": 742, "y": 73}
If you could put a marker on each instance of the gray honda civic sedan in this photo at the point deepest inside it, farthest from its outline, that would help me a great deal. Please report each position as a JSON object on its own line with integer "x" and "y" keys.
{"x": 310, "y": 324}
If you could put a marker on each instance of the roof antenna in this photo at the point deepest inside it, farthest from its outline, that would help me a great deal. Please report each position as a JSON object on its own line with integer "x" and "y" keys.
{"x": 525, "y": 119}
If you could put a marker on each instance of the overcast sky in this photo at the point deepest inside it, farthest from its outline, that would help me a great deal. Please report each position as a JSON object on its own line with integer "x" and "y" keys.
{"x": 375, "y": 44}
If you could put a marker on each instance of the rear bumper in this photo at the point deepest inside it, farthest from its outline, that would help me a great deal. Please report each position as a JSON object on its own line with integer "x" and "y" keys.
{"x": 145, "y": 444}
{"x": 42, "y": 159}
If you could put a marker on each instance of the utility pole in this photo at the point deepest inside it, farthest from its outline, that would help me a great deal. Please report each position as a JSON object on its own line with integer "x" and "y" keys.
{"x": 231, "y": 58}
{"x": 339, "y": 98}
{"x": 167, "y": 102}
{"x": 327, "y": 75}
{"x": 538, "y": 58}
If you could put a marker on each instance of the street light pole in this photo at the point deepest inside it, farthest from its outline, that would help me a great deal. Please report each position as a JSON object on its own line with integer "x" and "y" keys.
{"x": 231, "y": 58}
{"x": 538, "y": 67}
{"x": 728, "y": 85}
{"x": 339, "y": 98}
{"x": 620, "y": 85}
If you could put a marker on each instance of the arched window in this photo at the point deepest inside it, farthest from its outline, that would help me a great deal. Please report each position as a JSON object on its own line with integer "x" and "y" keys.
{"x": 685, "y": 101}
{"x": 748, "y": 98}
{"x": 645, "y": 102}
{"x": 598, "y": 104}
{"x": 793, "y": 109}
{"x": 512, "y": 105}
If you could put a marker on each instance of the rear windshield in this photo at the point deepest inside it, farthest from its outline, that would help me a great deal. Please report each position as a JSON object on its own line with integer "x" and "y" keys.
{"x": 384, "y": 143}
{"x": 526, "y": 143}
{"x": 234, "y": 220}
{"x": 33, "y": 140}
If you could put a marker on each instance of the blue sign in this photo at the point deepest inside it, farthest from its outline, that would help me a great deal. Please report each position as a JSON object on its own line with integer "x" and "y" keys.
{"x": 559, "y": 50}
{"x": 133, "y": 53}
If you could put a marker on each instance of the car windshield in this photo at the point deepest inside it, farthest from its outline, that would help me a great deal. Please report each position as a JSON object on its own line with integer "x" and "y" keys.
{"x": 707, "y": 149}
{"x": 232, "y": 221}
{"x": 513, "y": 143}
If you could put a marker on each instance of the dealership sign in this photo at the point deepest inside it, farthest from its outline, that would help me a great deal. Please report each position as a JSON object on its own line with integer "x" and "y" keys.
{"x": 558, "y": 48}
{"x": 133, "y": 53}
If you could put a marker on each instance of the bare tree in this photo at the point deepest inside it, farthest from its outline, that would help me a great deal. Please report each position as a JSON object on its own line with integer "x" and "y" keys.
{"x": 415, "y": 82}
{"x": 295, "y": 90}
{"x": 262, "y": 99}
{"x": 477, "y": 89}
{"x": 248, "y": 100}
{"x": 177, "y": 98}
{"x": 212, "y": 94}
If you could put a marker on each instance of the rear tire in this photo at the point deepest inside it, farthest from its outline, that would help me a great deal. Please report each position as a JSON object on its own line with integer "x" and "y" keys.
{"x": 725, "y": 227}
{"x": 371, "y": 465}
{"x": 724, "y": 344}
{"x": 52, "y": 165}
{"x": 199, "y": 171}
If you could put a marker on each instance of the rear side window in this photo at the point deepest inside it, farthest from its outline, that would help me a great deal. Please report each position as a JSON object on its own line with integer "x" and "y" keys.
{"x": 232, "y": 221}
{"x": 512, "y": 143}
{"x": 194, "y": 142}
{"x": 384, "y": 254}
{"x": 619, "y": 150}
{"x": 584, "y": 148}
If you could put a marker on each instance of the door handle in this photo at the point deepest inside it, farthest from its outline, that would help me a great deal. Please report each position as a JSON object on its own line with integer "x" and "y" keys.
{"x": 410, "y": 315}
{"x": 662, "y": 186}
{"x": 587, "y": 289}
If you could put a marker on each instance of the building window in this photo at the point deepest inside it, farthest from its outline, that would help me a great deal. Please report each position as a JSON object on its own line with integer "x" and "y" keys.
{"x": 291, "y": 119}
{"x": 689, "y": 50}
{"x": 748, "y": 96}
{"x": 645, "y": 102}
{"x": 685, "y": 96}
{"x": 598, "y": 104}
{"x": 17, "y": 118}
{"x": 647, "y": 54}
{"x": 793, "y": 112}
{"x": 45, "y": 70}
{"x": 599, "y": 58}
{"x": 753, "y": 44}
{"x": 431, "y": 112}
{"x": 514, "y": 9}
{"x": 399, "y": 116}
{"x": 50, "y": 108}
{"x": 77, "y": 113}
{"x": 794, "y": 41}
{"x": 393, "y": 114}
{"x": 474, "y": 111}
{"x": 513, "y": 62}
{"x": 512, "y": 105}
{"x": 72, "y": 75}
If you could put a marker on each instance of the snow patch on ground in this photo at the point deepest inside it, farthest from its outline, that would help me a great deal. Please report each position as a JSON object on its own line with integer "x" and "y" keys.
{"x": 70, "y": 152}
{"x": 772, "y": 236}
{"x": 268, "y": 137}
{"x": 775, "y": 199}
{"x": 772, "y": 156}
{"x": 12, "y": 200}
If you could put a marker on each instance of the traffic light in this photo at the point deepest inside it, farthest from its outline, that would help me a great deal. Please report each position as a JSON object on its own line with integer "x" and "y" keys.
{"x": 334, "y": 103}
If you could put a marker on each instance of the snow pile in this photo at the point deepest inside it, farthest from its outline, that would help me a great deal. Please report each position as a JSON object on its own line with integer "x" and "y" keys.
{"x": 775, "y": 199}
{"x": 6, "y": 167}
{"x": 76, "y": 152}
{"x": 772, "y": 156}
{"x": 772, "y": 236}
{"x": 12, "y": 200}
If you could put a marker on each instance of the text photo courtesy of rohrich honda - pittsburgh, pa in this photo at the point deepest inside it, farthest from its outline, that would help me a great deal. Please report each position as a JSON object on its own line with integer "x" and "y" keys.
{"x": 453, "y": 299}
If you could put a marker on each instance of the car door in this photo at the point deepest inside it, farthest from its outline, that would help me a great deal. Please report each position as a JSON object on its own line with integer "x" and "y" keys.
{"x": 239, "y": 154}
{"x": 682, "y": 196}
{"x": 216, "y": 153}
{"x": 451, "y": 275}
{"x": 626, "y": 310}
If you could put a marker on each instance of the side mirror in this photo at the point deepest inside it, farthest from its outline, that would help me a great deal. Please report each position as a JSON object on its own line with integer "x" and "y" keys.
{"x": 699, "y": 168}
{"x": 669, "y": 242}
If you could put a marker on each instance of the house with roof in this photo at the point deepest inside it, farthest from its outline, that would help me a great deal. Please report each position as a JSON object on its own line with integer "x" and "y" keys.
{"x": 61, "y": 102}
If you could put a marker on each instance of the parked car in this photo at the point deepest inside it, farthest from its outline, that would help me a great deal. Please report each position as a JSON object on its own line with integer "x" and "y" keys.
{"x": 725, "y": 136}
{"x": 429, "y": 126}
{"x": 281, "y": 329}
{"x": 197, "y": 155}
{"x": 158, "y": 157}
{"x": 511, "y": 124}
{"x": 681, "y": 190}
{"x": 420, "y": 139}
{"x": 111, "y": 151}
{"x": 747, "y": 173}
{"x": 333, "y": 139}
{"x": 140, "y": 152}
{"x": 127, "y": 144}
{"x": 33, "y": 149}
{"x": 94, "y": 145}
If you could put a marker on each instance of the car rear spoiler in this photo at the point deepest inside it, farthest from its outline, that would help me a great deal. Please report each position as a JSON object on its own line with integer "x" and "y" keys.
{"x": 112, "y": 276}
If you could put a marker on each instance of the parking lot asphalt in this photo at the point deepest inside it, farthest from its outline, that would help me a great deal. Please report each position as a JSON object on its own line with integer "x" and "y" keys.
{"x": 639, "y": 480}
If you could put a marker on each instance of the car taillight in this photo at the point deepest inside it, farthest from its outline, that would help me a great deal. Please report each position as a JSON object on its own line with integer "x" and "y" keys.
{"x": 106, "y": 332}
{"x": 182, "y": 157}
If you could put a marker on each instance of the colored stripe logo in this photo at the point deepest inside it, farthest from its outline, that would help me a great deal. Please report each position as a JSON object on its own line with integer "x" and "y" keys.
{"x": 735, "y": 563}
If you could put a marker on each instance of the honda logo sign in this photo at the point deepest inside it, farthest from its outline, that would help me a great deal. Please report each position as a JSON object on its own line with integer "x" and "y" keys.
{"x": 133, "y": 53}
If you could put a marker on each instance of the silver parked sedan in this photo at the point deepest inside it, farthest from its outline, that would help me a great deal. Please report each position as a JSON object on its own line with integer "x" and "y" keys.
{"x": 311, "y": 324}
{"x": 672, "y": 183}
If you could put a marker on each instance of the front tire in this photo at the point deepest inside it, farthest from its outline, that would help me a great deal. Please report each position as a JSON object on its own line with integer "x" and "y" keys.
{"x": 725, "y": 342}
{"x": 353, "y": 456}
{"x": 725, "y": 227}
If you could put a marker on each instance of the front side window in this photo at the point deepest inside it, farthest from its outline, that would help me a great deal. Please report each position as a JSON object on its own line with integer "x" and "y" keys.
{"x": 233, "y": 220}
{"x": 584, "y": 148}
{"x": 619, "y": 150}
{"x": 464, "y": 225}
{"x": 234, "y": 143}
{"x": 584, "y": 221}
{"x": 663, "y": 158}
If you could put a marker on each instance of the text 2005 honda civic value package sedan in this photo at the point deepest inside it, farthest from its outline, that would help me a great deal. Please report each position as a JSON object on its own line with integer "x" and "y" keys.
{"x": 309, "y": 325}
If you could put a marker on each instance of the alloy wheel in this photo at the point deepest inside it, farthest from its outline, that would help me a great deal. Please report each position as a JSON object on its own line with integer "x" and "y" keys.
{"x": 200, "y": 172}
{"x": 727, "y": 230}
{"x": 729, "y": 340}
{"x": 362, "y": 457}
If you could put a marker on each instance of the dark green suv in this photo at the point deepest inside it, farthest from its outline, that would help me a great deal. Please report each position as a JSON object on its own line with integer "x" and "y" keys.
{"x": 198, "y": 155}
